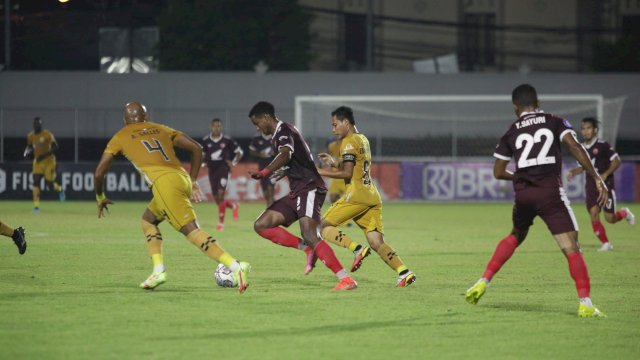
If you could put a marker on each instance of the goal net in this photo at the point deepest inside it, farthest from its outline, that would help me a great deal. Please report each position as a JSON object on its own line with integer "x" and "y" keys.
{"x": 442, "y": 126}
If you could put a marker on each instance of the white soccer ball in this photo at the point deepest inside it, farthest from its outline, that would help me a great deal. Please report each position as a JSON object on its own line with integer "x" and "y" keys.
{"x": 224, "y": 276}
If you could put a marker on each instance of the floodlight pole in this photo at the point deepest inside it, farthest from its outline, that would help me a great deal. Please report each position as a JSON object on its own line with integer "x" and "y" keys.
{"x": 7, "y": 34}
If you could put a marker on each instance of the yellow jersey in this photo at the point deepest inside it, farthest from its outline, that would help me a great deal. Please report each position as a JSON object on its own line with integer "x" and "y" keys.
{"x": 41, "y": 142}
{"x": 360, "y": 189}
{"x": 149, "y": 147}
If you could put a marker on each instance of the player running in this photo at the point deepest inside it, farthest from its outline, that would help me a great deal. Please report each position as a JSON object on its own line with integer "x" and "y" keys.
{"x": 361, "y": 202}
{"x": 42, "y": 144}
{"x": 260, "y": 147}
{"x": 606, "y": 161}
{"x": 534, "y": 142}
{"x": 221, "y": 153}
{"x": 304, "y": 201}
{"x": 17, "y": 235}
{"x": 151, "y": 149}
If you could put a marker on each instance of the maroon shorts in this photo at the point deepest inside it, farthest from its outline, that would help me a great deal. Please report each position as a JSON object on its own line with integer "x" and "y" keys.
{"x": 294, "y": 207}
{"x": 592, "y": 199}
{"x": 218, "y": 178}
{"x": 550, "y": 203}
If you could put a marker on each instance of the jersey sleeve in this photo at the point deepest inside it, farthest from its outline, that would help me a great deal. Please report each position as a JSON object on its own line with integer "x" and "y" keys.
{"x": 564, "y": 127}
{"x": 503, "y": 150}
{"x": 236, "y": 147}
{"x": 252, "y": 145}
{"x": 52, "y": 137}
{"x": 30, "y": 139}
{"x": 284, "y": 139}
{"x": 348, "y": 151}
{"x": 113, "y": 147}
{"x": 611, "y": 153}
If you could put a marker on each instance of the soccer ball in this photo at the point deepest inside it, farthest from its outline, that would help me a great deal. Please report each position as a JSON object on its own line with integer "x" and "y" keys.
{"x": 224, "y": 276}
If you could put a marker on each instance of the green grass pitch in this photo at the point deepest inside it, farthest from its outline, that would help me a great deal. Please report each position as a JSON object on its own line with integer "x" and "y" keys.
{"x": 75, "y": 295}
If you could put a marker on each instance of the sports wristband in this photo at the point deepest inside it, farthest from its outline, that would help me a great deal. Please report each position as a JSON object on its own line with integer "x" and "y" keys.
{"x": 100, "y": 197}
{"x": 264, "y": 172}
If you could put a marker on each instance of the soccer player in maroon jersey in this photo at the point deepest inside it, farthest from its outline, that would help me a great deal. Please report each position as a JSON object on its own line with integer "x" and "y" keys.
{"x": 304, "y": 201}
{"x": 221, "y": 153}
{"x": 534, "y": 142}
{"x": 260, "y": 147}
{"x": 606, "y": 160}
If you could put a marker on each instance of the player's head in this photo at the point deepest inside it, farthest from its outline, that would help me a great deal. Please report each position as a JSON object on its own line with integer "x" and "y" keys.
{"x": 589, "y": 128}
{"x": 216, "y": 127}
{"x": 263, "y": 116}
{"x": 524, "y": 98}
{"x": 134, "y": 112}
{"x": 37, "y": 124}
{"x": 342, "y": 121}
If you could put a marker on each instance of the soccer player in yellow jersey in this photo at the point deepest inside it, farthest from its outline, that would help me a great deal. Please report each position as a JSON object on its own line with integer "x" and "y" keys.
{"x": 151, "y": 149}
{"x": 42, "y": 144}
{"x": 17, "y": 235}
{"x": 361, "y": 201}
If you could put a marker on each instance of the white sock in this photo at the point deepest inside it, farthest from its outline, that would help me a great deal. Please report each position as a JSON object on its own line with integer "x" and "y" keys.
{"x": 158, "y": 268}
{"x": 586, "y": 301}
{"x": 235, "y": 266}
{"x": 341, "y": 274}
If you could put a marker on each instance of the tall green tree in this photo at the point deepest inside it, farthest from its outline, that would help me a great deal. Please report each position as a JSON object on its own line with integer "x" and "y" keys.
{"x": 234, "y": 35}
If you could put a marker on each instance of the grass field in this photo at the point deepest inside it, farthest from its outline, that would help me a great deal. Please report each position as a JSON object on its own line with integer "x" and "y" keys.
{"x": 75, "y": 293}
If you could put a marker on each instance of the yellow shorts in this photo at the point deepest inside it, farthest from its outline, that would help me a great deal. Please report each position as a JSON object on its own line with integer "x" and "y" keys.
{"x": 337, "y": 186}
{"x": 46, "y": 167}
{"x": 171, "y": 200}
{"x": 368, "y": 217}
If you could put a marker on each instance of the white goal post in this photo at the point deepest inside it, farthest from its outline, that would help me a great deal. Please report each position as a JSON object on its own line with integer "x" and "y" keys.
{"x": 441, "y": 120}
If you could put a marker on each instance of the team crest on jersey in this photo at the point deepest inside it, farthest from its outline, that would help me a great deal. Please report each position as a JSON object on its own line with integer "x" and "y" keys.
{"x": 208, "y": 145}
{"x": 348, "y": 147}
{"x": 42, "y": 139}
{"x": 595, "y": 151}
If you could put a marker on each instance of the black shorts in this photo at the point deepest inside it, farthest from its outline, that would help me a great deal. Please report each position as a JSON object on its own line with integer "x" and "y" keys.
{"x": 592, "y": 199}
{"x": 218, "y": 178}
{"x": 294, "y": 207}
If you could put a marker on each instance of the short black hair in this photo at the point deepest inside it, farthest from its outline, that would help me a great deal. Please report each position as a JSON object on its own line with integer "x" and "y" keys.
{"x": 215, "y": 120}
{"x": 344, "y": 112}
{"x": 263, "y": 108}
{"x": 524, "y": 95}
{"x": 593, "y": 121}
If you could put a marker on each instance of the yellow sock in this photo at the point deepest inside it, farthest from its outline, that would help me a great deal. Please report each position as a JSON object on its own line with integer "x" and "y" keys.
{"x": 335, "y": 236}
{"x": 6, "y": 230}
{"x": 210, "y": 247}
{"x": 36, "y": 196}
{"x": 389, "y": 256}
{"x": 154, "y": 245}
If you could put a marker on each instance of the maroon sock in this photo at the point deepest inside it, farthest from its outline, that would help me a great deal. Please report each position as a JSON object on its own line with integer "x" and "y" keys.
{"x": 228, "y": 204}
{"x": 221, "y": 212}
{"x": 327, "y": 256}
{"x": 579, "y": 273}
{"x": 621, "y": 214}
{"x": 503, "y": 252}
{"x": 280, "y": 236}
{"x": 599, "y": 230}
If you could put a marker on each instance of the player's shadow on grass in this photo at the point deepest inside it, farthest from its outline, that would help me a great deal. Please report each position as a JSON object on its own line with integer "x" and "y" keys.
{"x": 534, "y": 308}
{"x": 318, "y": 330}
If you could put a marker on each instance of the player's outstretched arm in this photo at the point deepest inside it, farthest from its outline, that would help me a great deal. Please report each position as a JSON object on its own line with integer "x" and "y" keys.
{"x": 101, "y": 171}
{"x": 500, "y": 171}
{"x": 345, "y": 173}
{"x": 580, "y": 154}
{"x": 282, "y": 159}
{"x": 573, "y": 172}
{"x": 185, "y": 142}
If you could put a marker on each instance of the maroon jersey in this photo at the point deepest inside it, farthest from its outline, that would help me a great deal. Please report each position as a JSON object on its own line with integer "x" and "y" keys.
{"x": 217, "y": 151}
{"x": 262, "y": 144}
{"x": 601, "y": 155}
{"x": 301, "y": 170}
{"x": 534, "y": 142}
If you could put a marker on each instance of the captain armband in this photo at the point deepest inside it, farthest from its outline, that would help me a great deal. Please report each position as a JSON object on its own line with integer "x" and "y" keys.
{"x": 349, "y": 158}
